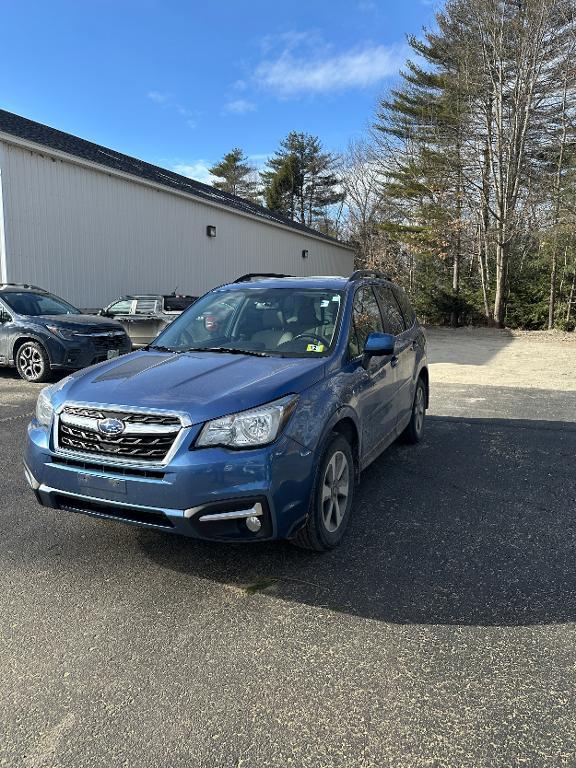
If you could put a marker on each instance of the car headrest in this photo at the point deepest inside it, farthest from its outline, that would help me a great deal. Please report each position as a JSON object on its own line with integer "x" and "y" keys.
{"x": 307, "y": 314}
{"x": 271, "y": 319}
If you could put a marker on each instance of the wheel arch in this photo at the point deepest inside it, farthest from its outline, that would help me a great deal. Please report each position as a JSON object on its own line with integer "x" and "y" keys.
{"x": 344, "y": 423}
{"x": 25, "y": 338}
{"x": 425, "y": 376}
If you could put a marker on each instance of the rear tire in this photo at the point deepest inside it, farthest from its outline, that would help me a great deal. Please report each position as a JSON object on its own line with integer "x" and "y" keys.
{"x": 32, "y": 362}
{"x": 415, "y": 429}
{"x": 331, "y": 498}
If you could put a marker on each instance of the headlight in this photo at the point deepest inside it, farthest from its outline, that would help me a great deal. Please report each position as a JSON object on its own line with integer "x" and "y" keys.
{"x": 44, "y": 407}
{"x": 64, "y": 333}
{"x": 248, "y": 429}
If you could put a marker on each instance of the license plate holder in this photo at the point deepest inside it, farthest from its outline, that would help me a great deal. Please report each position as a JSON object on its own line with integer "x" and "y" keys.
{"x": 88, "y": 481}
{"x": 112, "y": 353}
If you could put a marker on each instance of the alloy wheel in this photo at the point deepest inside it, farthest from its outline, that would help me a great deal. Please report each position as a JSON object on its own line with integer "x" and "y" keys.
{"x": 335, "y": 491}
{"x": 419, "y": 410}
{"x": 30, "y": 362}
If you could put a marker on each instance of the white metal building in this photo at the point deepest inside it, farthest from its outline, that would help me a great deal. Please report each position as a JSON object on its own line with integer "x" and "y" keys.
{"x": 91, "y": 224}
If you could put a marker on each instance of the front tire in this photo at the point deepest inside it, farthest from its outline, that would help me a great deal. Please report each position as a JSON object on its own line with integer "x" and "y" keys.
{"x": 331, "y": 499}
{"x": 32, "y": 362}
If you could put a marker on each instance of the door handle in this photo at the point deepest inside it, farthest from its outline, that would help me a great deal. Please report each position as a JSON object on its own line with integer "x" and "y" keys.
{"x": 394, "y": 361}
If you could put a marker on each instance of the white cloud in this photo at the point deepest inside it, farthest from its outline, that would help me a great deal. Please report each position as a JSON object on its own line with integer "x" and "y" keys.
{"x": 260, "y": 158}
{"x": 239, "y": 106}
{"x": 167, "y": 101}
{"x": 289, "y": 74}
{"x": 367, "y": 6}
{"x": 158, "y": 97}
{"x": 198, "y": 170}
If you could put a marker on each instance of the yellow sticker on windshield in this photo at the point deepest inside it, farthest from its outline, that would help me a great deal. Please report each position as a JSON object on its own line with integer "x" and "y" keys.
{"x": 315, "y": 348}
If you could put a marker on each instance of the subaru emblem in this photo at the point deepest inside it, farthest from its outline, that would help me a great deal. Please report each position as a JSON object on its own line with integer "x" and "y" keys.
{"x": 110, "y": 427}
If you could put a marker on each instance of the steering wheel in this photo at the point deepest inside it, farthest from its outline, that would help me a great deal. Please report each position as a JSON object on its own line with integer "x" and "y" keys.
{"x": 311, "y": 336}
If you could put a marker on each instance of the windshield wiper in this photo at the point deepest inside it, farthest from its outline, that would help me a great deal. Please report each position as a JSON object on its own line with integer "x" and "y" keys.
{"x": 227, "y": 350}
{"x": 159, "y": 348}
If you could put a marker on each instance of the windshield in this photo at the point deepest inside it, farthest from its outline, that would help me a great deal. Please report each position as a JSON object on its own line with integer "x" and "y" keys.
{"x": 36, "y": 304}
{"x": 274, "y": 321}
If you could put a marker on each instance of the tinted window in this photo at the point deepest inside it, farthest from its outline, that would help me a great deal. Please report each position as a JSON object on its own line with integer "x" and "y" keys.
{"x": 393, "y": 320}
{"x": 405, "y": 306}
{"x": 122, "y": 307}
{"x": 178, "y": 303}
{"x": 36, "y": 304}
{"x": 366, "y": 319}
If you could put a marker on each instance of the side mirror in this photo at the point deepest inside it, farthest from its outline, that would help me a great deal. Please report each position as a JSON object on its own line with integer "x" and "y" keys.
{"x": 103, "y": 313}
{"x": 4, "y": 317}
{"x": 378, "y": 345}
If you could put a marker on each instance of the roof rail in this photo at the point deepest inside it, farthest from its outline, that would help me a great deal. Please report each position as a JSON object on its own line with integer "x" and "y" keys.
{"x": 360, "y": 273}
{"x": 23, "y": 285}
{"x": 255, "y": 275}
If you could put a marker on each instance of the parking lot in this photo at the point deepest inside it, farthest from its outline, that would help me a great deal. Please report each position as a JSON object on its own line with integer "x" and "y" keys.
{"x": 440, "y": 634}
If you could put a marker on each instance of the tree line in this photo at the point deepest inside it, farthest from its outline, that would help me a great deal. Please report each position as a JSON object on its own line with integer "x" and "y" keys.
{"x": 300, "y": 182}
{"x": 464, "y": 188}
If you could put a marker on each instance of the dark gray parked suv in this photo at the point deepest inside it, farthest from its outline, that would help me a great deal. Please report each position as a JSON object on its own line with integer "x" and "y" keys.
{"x": 40, "y": 332}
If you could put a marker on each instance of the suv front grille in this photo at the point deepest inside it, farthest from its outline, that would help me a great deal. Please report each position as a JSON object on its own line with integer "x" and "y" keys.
{"x": 103, "y": 341}
{"x": 146, "y": 437}
{"x": 127, "y": 418}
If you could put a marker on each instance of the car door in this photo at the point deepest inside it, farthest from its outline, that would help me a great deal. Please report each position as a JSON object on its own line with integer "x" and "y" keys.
{"x": 404, "y": 350}
{"x": 146, "y": 322}
{"x": 6, "y": 327}
{"x": 375, "y": 386}
{"x": 121, "y": 311}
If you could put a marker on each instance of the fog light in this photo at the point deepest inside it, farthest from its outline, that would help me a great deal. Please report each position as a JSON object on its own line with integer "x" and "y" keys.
{"x": 253, "y": 524}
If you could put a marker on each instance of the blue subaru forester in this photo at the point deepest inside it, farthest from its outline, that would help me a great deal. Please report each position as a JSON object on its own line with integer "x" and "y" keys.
{"x": 249, "y": 418}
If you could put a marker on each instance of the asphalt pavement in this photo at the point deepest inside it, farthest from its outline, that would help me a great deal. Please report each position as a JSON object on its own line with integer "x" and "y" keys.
{"x": 441, "y": 633}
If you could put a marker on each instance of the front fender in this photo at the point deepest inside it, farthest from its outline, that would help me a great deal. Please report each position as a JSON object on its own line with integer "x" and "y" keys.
{"x": 34, "y": 333}
{"x": 320, "y": 408}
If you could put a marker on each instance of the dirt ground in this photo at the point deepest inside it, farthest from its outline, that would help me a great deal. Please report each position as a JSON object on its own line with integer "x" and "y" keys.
{"x": 490, "y": 357}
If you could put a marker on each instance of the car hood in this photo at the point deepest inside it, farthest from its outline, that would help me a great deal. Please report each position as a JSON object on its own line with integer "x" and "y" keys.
{"x": 204, "y": 385}
{"x": 80, "y": 323}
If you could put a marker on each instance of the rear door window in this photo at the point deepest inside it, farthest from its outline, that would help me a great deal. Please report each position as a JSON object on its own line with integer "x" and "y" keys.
{"x": 391, "y": 314}
{"x": 366, "y": 319}
{"x": 405, "y": 306}
{"x": 146, "y": 306}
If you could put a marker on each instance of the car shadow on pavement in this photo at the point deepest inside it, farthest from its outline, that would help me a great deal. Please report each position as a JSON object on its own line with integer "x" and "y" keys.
{"x": 474, "y": 526}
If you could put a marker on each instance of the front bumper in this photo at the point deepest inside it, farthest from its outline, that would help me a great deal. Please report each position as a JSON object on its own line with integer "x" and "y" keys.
{"x": 75, "y": 354}
{"x": 193, "y": 495}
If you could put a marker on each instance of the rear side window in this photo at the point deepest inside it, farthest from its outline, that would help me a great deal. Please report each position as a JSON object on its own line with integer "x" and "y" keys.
{"x": 146, "y": 306}
{"x": 393, "y": 320}
{"x": 405, "y": 306}
{"x": 366, "y": 319}
{"x": 178, "y": 303}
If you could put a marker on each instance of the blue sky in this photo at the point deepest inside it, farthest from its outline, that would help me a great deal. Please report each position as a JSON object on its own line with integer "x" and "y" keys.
{"x": 181, "y": 83}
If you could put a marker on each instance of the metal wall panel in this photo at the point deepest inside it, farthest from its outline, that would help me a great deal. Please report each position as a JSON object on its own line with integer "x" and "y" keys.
{"x": 89, "y": 236}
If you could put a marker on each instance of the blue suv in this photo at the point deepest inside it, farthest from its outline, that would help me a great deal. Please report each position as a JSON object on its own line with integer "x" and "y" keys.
{"x": 249, "y": 418}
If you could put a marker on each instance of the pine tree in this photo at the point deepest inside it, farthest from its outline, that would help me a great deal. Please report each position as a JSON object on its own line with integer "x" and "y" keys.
{"x": 235, "y": 175}
{"x": 301, "y": 181}
{"x": 476, "y": 144}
